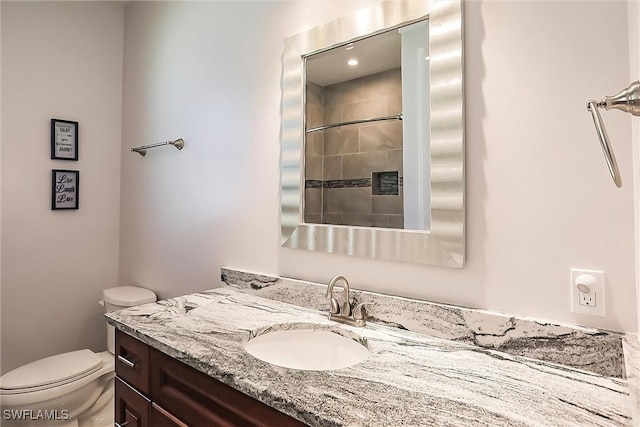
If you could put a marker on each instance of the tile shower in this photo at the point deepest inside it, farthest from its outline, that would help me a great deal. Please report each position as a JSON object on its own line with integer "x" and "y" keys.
{"x": 354, "y": 173}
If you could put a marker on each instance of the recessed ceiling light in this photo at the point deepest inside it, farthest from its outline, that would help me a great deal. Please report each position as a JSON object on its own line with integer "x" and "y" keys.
{"x": 353, "y": 62}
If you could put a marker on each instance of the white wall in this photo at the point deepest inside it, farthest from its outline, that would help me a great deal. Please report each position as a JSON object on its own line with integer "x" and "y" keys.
{"x": 210, "y": 73}
{"x": 539, "y": 196}
{"x": 634, "y": 56}
{"x": 59, "y": 60}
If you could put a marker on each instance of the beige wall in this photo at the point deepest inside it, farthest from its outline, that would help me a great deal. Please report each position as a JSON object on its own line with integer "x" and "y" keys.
{"x": 539, "y": 197}
{"x": 59, "y": 60}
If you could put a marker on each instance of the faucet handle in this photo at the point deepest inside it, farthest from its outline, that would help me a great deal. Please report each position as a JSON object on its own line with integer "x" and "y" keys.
{"x": 346, "y": 309}
{"x": 359, "y": 313}
{"x": 334, "y": 307}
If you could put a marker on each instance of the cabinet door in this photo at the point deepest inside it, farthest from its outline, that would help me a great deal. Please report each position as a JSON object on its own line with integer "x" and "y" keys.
{"x": 161, "y": 418}
{"x": 132, "y": 408}
{"x": 200, "y": 400}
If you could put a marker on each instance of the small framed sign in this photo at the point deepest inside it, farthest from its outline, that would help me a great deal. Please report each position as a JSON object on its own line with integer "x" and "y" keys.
{"x": 65, "y": 189}
{"x": 64, "y": 139}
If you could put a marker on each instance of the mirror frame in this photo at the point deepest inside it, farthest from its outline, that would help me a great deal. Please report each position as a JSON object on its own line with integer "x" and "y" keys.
{"x": 444, "y": 243}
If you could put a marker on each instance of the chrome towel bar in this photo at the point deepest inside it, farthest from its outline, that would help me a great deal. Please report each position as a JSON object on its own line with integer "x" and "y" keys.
{"x": 142, "y": 150}
{"x": 627, "y": 100}
{"x": 356, "y": 122}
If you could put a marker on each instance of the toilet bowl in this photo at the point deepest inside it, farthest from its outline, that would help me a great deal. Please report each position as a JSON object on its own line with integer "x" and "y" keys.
{"x": 57, "y": 390}
{"x": 73, "y": 389}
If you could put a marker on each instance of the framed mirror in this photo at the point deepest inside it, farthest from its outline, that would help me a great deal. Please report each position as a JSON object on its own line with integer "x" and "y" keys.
{"x": 373, "y": 155}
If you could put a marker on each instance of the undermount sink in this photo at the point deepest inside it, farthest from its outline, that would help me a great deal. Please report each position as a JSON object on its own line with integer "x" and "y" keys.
{"x": 308, "y": 349}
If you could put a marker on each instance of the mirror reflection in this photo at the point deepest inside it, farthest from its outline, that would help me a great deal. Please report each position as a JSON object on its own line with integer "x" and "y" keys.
{"x": 367, "y": 132}
{"x": 433, "y": 212}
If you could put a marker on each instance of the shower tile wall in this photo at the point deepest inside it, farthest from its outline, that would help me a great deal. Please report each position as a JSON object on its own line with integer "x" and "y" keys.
{"x": 314, "y": 147}
{"x": 348, "y": 157}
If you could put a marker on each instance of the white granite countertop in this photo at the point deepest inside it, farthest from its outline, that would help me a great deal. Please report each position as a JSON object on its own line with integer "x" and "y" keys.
{"x": 408, "y": 379}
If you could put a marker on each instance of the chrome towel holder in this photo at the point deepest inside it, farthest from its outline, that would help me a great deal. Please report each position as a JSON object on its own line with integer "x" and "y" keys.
{"x": 142, "y": 150}
{"x": 355, "y": 122}
{"x": 627, "y": 100}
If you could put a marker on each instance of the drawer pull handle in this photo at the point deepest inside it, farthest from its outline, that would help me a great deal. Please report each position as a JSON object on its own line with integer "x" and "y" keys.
{"x": 129, "y": 363}
{"x": 121, "y": 425}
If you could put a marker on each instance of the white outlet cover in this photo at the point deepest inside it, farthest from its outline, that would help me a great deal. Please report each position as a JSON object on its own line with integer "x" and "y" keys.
{"x": 597, "y": 288}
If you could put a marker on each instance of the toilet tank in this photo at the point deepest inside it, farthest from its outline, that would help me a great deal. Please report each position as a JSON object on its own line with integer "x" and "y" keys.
{"x": 122, "y": 297}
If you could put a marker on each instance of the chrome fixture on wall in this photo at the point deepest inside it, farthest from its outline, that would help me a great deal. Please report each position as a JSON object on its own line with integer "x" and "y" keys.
{"x": 178, "y": 143}
{"x": 356, "y": 122}
{"x": 627, "y": 100}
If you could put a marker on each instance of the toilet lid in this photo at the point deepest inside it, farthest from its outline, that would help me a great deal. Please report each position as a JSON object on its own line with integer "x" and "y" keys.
{"x": 128, "y": 296}
{"x": 51, "y": 371}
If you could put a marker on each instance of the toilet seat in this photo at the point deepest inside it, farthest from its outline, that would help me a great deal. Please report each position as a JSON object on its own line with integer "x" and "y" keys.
{"x": 50, "y": 372}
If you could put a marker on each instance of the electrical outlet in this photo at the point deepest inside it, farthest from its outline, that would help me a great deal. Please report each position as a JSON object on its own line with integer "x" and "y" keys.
{"x": 587, "y": 292}
{"x": 588, "y": 300}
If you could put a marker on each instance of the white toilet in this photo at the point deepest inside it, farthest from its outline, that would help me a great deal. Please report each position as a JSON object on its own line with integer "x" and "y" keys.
{"x": 72, "y": 389}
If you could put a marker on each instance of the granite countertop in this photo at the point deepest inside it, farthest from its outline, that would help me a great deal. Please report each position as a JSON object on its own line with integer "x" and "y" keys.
{"x": 408, "y": 379}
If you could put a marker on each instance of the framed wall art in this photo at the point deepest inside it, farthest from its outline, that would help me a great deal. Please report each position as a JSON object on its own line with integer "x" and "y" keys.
{"x": 64, "y": 139}
{"x": 65, "y": 189}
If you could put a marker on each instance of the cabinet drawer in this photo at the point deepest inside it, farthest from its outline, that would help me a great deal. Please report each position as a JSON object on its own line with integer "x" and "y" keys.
{"x": 199, "y": 400}
{"x": 131, "y": 408}
{"x": 132, "y": 361}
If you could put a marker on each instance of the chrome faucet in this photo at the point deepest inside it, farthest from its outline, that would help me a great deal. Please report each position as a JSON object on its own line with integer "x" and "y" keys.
{"x": 343, "y": 313}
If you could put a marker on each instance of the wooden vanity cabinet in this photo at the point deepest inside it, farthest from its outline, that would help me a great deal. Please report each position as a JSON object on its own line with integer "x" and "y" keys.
{"x": 131, "y": 407}
{"x": 132, "y": 382}
{"x": 160, "y": 391}
{"x": 161, "y": 418}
